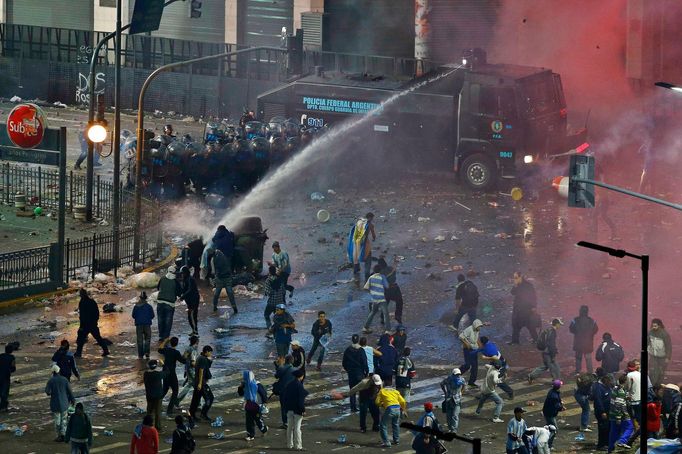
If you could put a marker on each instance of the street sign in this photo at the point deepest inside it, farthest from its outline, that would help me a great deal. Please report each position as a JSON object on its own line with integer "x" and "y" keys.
{"x": 48, "y": 154}
{"x": 146, "y": 16}
{"x": 26, "y": 125}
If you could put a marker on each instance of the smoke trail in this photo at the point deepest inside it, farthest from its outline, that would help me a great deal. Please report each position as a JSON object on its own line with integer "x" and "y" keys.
{"x": 309, "y": 156}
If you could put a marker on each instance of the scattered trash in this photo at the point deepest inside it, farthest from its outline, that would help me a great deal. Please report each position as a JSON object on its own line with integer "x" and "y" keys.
{"x": 503, "y": 235}
{"x": 454, "y": 238}
{"x": 580, "y": 437}
{"x": 126, "y": 344}
{"x": 316, "y": 196}
{"x": 331, "y": 191}
{"x": 143, "y": 280}
{"x": 103, "y": 222}
{"x": 238, "y": 348}
{"x": 220, "y": 330}
{"x": 342, "y": 438}
{"x": 216, "y": 436}
{"x": 392, "y": 211}
{"x": 475, "y": 230}
{"x": 103, "y": 278}
{"x": 15, "y": 99}
{"x": 110, "y": 308}
{"x": 60, "y": 105}
{"x": 606, "y": 276}
{"x": 218, "y": 422}
{"x": 108, "y": 433}
{"x": 421, "y": 219}
{"x": 323, "y": 216}
{"x": 493, "y": 204}
{"x": 439, "y": 238}
{"x": 463, "y": 206}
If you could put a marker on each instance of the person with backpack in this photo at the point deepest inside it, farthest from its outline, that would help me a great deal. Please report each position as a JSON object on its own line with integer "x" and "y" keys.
{"x": 610, "y": 354}
{"x": 583, "y": 328}
{"x": 143, "y": 314}
{"x": 546, "y": 343}
{"x": 251, "y": 390}
{"x": 524, "y": 312}
{"x": 466, "y": 301}
{"x": 145, "y": 438}
{"x": 79, "y": 431}
{"x": 66, "y": 362}
{"x": 452, "y": 387}
{"x": 183, "y": 441}
{"x": 404, "y": 373}
{"x": 582, "y": 394}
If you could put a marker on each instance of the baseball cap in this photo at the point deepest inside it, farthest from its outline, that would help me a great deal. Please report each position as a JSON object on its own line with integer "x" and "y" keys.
{"x": 377, "y": 380}
{"x": 456, "y": 371}
{"x": 296, "y": 343}
{"x": 519, "y": 410}
{"x": 557, "y": 383}
{"x": 280, "y": 306}
{"x": 55, "y": 369}
{"x": 557, "y": 321}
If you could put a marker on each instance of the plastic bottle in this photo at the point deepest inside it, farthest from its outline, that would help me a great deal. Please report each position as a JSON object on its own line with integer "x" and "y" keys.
{"x": 342, "y": 438}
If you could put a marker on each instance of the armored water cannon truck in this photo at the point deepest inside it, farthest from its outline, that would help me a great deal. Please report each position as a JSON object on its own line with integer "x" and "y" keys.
{"x": 485, "y": 121}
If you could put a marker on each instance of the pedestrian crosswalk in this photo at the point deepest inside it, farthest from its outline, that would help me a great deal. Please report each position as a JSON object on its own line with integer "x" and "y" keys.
{"x": 113, "y": 394}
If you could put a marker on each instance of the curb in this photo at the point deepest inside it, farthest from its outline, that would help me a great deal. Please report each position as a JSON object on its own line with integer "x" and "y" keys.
{"x": 34, "y": 298}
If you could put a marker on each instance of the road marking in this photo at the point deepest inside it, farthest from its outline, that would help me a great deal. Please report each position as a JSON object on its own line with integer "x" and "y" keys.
{"x": 119, "y": 444}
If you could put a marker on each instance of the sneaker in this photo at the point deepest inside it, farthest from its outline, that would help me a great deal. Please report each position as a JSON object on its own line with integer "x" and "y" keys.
{"x": 283, "y": 426}
{"x": 472, "y": 385}
{"x": 624, "y": 445}
{"x": 580, "y": 437}
{"x": 249, "y": 438}
{"x": 362, "y": 431}
{"x": 396, "y": 442}
{"x": 265, "y": 430}
{"x": 587, "y": 429}
{"x": 269, "y": 336}
{"x": 106, "y": 353}
{"x": 385, "y": 445}
{"x": 478, "y": 412}
{"x": 497, "y": 420}
{"x": 308, "y": 360}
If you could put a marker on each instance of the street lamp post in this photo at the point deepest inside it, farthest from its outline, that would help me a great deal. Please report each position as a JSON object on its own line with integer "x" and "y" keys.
{"x": 116, "y": 212}
{"x": 644, "y": 359}
{"x": 140, "y": 130}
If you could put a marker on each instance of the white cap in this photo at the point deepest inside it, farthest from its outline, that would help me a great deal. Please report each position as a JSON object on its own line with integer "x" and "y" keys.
{"x": 377, "y": 380}
{"x": 456, "y": 371}
{"x": 296, "y": 343}
{"x": 55, "y": 369}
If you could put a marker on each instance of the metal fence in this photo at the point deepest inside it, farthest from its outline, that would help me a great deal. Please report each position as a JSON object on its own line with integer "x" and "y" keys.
{"x": 36, "y": 267}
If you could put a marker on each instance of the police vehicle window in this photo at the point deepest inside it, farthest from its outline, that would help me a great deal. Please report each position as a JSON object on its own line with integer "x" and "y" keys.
{"x": 506, "y": 103}
{"x": 487, "y": 101}
{"x": 540, "y": 95}
{"x": 498, "y": 102}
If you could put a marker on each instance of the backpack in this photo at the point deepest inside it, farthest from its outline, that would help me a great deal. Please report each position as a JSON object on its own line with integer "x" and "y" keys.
{"x": 469, "y": 294}
{"x": 186, "y": 440}
{"x": 541, "y": 343}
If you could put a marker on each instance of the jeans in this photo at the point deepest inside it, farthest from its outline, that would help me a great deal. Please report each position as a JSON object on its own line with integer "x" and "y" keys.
{"x": 193, "y": 317}
{"x": 499, "y": 403}
{"x": 391, "y": 415}
{"x": 154, "y": 409}
{"x": 353, "y": 380}
{"x": 170, "y": 381}
{"x": 164, "y": 313}
{"x": 205, "y": 393}
{"x": 282, "y": 349}
{"x": 253, "y": 419}
{"x": 4, "y": 394}
{"x": 602, "y": 432}
{"x": 369, "y": 405}
{"x": 453, "y": 415}
{"x": 367, "y": 262}
{"x": 578, "y": 361}
{"x": 548, "y": 364}
{"x": 79, "y": 448}
{"x": 269, "y": 309}
{"x": 519, "y": 450}
{"x": 552, "y": 421}
{"x": 84, "y": 153}
{"x": 470, "y": 362}
{"x": 460, "y": 313}
{"x": 376, "y": 307}
{"x": 83, "y": 333}
{"x": 60, "y": 419}
{"x": 226, "y": 284}
{"x": 144, "y": 338}
{"x": 523, "y": 321}
{"x": 619, "y": 431}
{"x": 186, "y": 388}
{"x": 294, "y": 440}
{"x": 320, "y": 358}
{"x": 393, "y": 293}
{"x": 584, "y": 402}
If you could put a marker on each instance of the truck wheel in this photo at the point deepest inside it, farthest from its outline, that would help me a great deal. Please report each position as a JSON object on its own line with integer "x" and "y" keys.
{"x": 478, "y": 172}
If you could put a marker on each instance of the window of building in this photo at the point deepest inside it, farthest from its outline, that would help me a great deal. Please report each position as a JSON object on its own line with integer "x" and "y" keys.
{"x": 108, "y": 3}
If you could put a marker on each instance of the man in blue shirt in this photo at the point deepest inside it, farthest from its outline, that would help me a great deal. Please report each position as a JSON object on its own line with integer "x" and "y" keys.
{"x": 452, "y": 387}
{"x": 281, "y": 261}
{"x": 283, "y": 326}
{"x": 377, "y": 285}
{"x": 490, "y": 352}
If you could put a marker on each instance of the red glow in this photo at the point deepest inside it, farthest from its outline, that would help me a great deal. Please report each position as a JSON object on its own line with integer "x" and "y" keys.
{"x": 582, "y": 148}
{"x": 563, "y": 113}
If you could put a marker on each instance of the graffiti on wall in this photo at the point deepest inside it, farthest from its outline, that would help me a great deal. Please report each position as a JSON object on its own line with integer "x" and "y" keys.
{"x": 83, "y": 87}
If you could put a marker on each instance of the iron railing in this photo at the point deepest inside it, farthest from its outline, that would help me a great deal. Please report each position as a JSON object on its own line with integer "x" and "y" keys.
{"x": 25, "y": 269}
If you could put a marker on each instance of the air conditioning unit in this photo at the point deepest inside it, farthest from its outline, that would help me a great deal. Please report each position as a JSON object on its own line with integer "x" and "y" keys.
{"x": 312, "y": 24}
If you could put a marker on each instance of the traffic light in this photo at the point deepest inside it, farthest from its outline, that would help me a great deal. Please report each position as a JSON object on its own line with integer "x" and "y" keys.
{"x": 195, "y": 9}
{"x": 581, "y": 194}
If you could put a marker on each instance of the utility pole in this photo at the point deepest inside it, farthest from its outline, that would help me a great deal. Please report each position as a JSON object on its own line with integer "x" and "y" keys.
{"x": 117, "y": 139}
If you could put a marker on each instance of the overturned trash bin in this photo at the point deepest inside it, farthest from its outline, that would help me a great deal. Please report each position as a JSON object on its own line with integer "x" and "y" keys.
{"x": 249, "y": 244}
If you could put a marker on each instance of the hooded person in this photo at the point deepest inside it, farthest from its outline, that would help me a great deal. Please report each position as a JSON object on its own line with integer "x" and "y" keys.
{"x": 542, "y": 437}
{"x": 386, "y": 363}
{"x": 79, "y": 430}
{"x": 553, "y": 405}
{"x": 470, "y": 346}
{"x": 190, "y": 294}
{"x": 169, "y": 291}
{"x": 223, "y": 240}
{"x": 66, "y": 362}
{"x": 355, "y": 364}
{"x": 583, "y": 328}
{"x": 145, "y": 438}
{"x": 660, "y": 351}
{"x": 253, "y": 391}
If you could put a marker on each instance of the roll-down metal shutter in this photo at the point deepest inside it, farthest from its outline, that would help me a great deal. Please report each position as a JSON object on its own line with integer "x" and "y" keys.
{"x": 74, "y": 14}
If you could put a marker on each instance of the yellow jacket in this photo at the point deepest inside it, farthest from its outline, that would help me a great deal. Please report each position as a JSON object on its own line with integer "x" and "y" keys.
{"x": 388, "y": 397}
